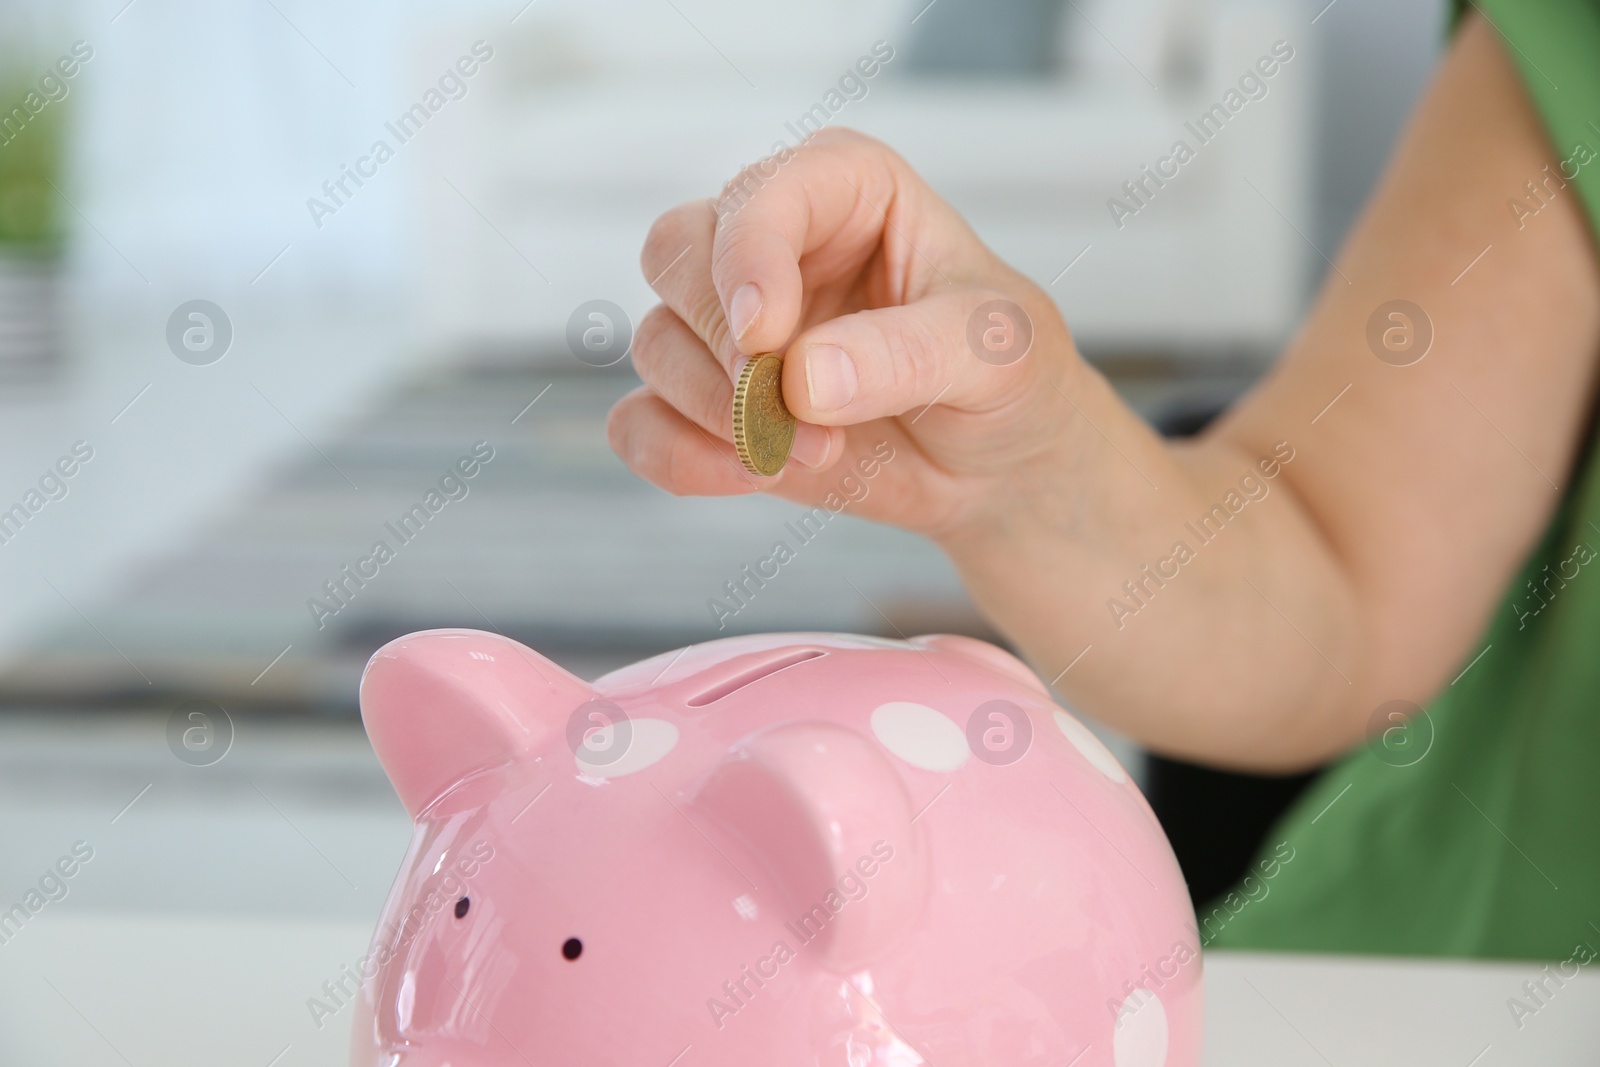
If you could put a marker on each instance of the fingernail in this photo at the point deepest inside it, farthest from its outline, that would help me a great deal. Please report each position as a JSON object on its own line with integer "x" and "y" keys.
{"x": 811, "y": 444}
{"x": 830, "y": 377}
{"x": 743, "y": 308}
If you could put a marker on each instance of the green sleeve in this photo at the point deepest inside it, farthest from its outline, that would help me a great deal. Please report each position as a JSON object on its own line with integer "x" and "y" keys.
{"x": 1556, "y": 47}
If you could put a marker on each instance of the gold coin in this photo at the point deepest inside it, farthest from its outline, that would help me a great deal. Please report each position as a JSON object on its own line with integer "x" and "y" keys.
{"x": 763, "y": 429}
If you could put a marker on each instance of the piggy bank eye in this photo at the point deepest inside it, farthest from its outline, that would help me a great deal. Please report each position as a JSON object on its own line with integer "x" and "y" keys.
{"x": 572, "y": 949}
{"x": 461, "y": 907}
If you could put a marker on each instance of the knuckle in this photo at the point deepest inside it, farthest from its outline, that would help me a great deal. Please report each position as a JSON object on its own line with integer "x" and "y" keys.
{"x": 654, "y": 463}
{"x": 743, "y": 186}
{"x": 649, "y": 340}
{"x": 617, "y": 428}
{"x": 705, "y": 405}
{"x": 843, "y": 135}
{"x": 709, "y": 323}
{"x": 668, "y": 235}
{"x": 736, "y": 243}
{"x": 655, "y": 240}
{"x": 622, "y": 431}
{"x": 677, "y": 463}
{"x": 716, "y": 414}
{"x": 913, "y": 359}
{"x": 698, "y": 309}
{"x": 852, "y": 145}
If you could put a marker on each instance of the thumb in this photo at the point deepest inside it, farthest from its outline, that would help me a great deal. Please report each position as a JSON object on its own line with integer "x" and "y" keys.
{"x": 968, "y": 349}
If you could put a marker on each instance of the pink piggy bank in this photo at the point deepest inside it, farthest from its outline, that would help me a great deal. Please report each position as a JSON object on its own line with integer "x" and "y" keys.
{"x": 796, "y": 850}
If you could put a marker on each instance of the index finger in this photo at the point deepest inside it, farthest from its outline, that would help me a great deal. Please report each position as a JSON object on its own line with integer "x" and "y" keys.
{"x": 824, "y": 199}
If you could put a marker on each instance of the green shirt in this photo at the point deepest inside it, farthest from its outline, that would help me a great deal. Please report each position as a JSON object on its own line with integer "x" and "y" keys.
{"x": 1475, "y": 829}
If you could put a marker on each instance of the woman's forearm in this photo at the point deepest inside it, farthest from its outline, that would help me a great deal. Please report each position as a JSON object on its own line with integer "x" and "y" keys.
{"x": 1420, "y": 478}
{"x": 1179, "y": 592}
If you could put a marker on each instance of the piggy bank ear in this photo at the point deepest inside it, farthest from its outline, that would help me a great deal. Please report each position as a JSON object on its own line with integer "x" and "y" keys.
{"x": 441, "y": 704}
{"x": 828, "y": 817}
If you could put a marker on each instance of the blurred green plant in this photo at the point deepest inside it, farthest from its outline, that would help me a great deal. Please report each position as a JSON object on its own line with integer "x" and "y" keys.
{"x": 32, "y": 158}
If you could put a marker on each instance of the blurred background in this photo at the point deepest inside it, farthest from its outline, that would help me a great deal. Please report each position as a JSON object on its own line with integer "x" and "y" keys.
{"x": 256, "y": 339}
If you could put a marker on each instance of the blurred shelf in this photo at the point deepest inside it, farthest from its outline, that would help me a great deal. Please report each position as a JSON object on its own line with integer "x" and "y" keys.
{"x": 555, "y": 543}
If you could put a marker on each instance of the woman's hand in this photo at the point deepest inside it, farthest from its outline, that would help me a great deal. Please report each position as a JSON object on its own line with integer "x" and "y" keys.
{"x": 1267, "y": 639}
{"x": 902, "y": 336}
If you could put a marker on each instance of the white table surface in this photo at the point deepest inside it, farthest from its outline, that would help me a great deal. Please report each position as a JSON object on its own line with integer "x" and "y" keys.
{"x": 221, "y": 898}
{"x": 112, "y": 989}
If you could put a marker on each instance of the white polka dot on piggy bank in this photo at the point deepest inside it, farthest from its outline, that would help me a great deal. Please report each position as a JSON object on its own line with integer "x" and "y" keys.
{"x": 1090, "y": 746}
{"x": 627, "y": 748}
{"x": 768, "y": 848}
{"x": 920, "y": 735}
{"x": 1140, "y": 1039}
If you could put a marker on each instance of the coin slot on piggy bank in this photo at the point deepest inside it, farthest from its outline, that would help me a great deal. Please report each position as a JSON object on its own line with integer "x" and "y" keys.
{"x": 749, "y": 676}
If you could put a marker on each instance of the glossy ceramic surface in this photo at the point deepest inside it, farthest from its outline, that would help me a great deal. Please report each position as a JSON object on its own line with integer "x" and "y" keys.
{"x": 791, "y": 850}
